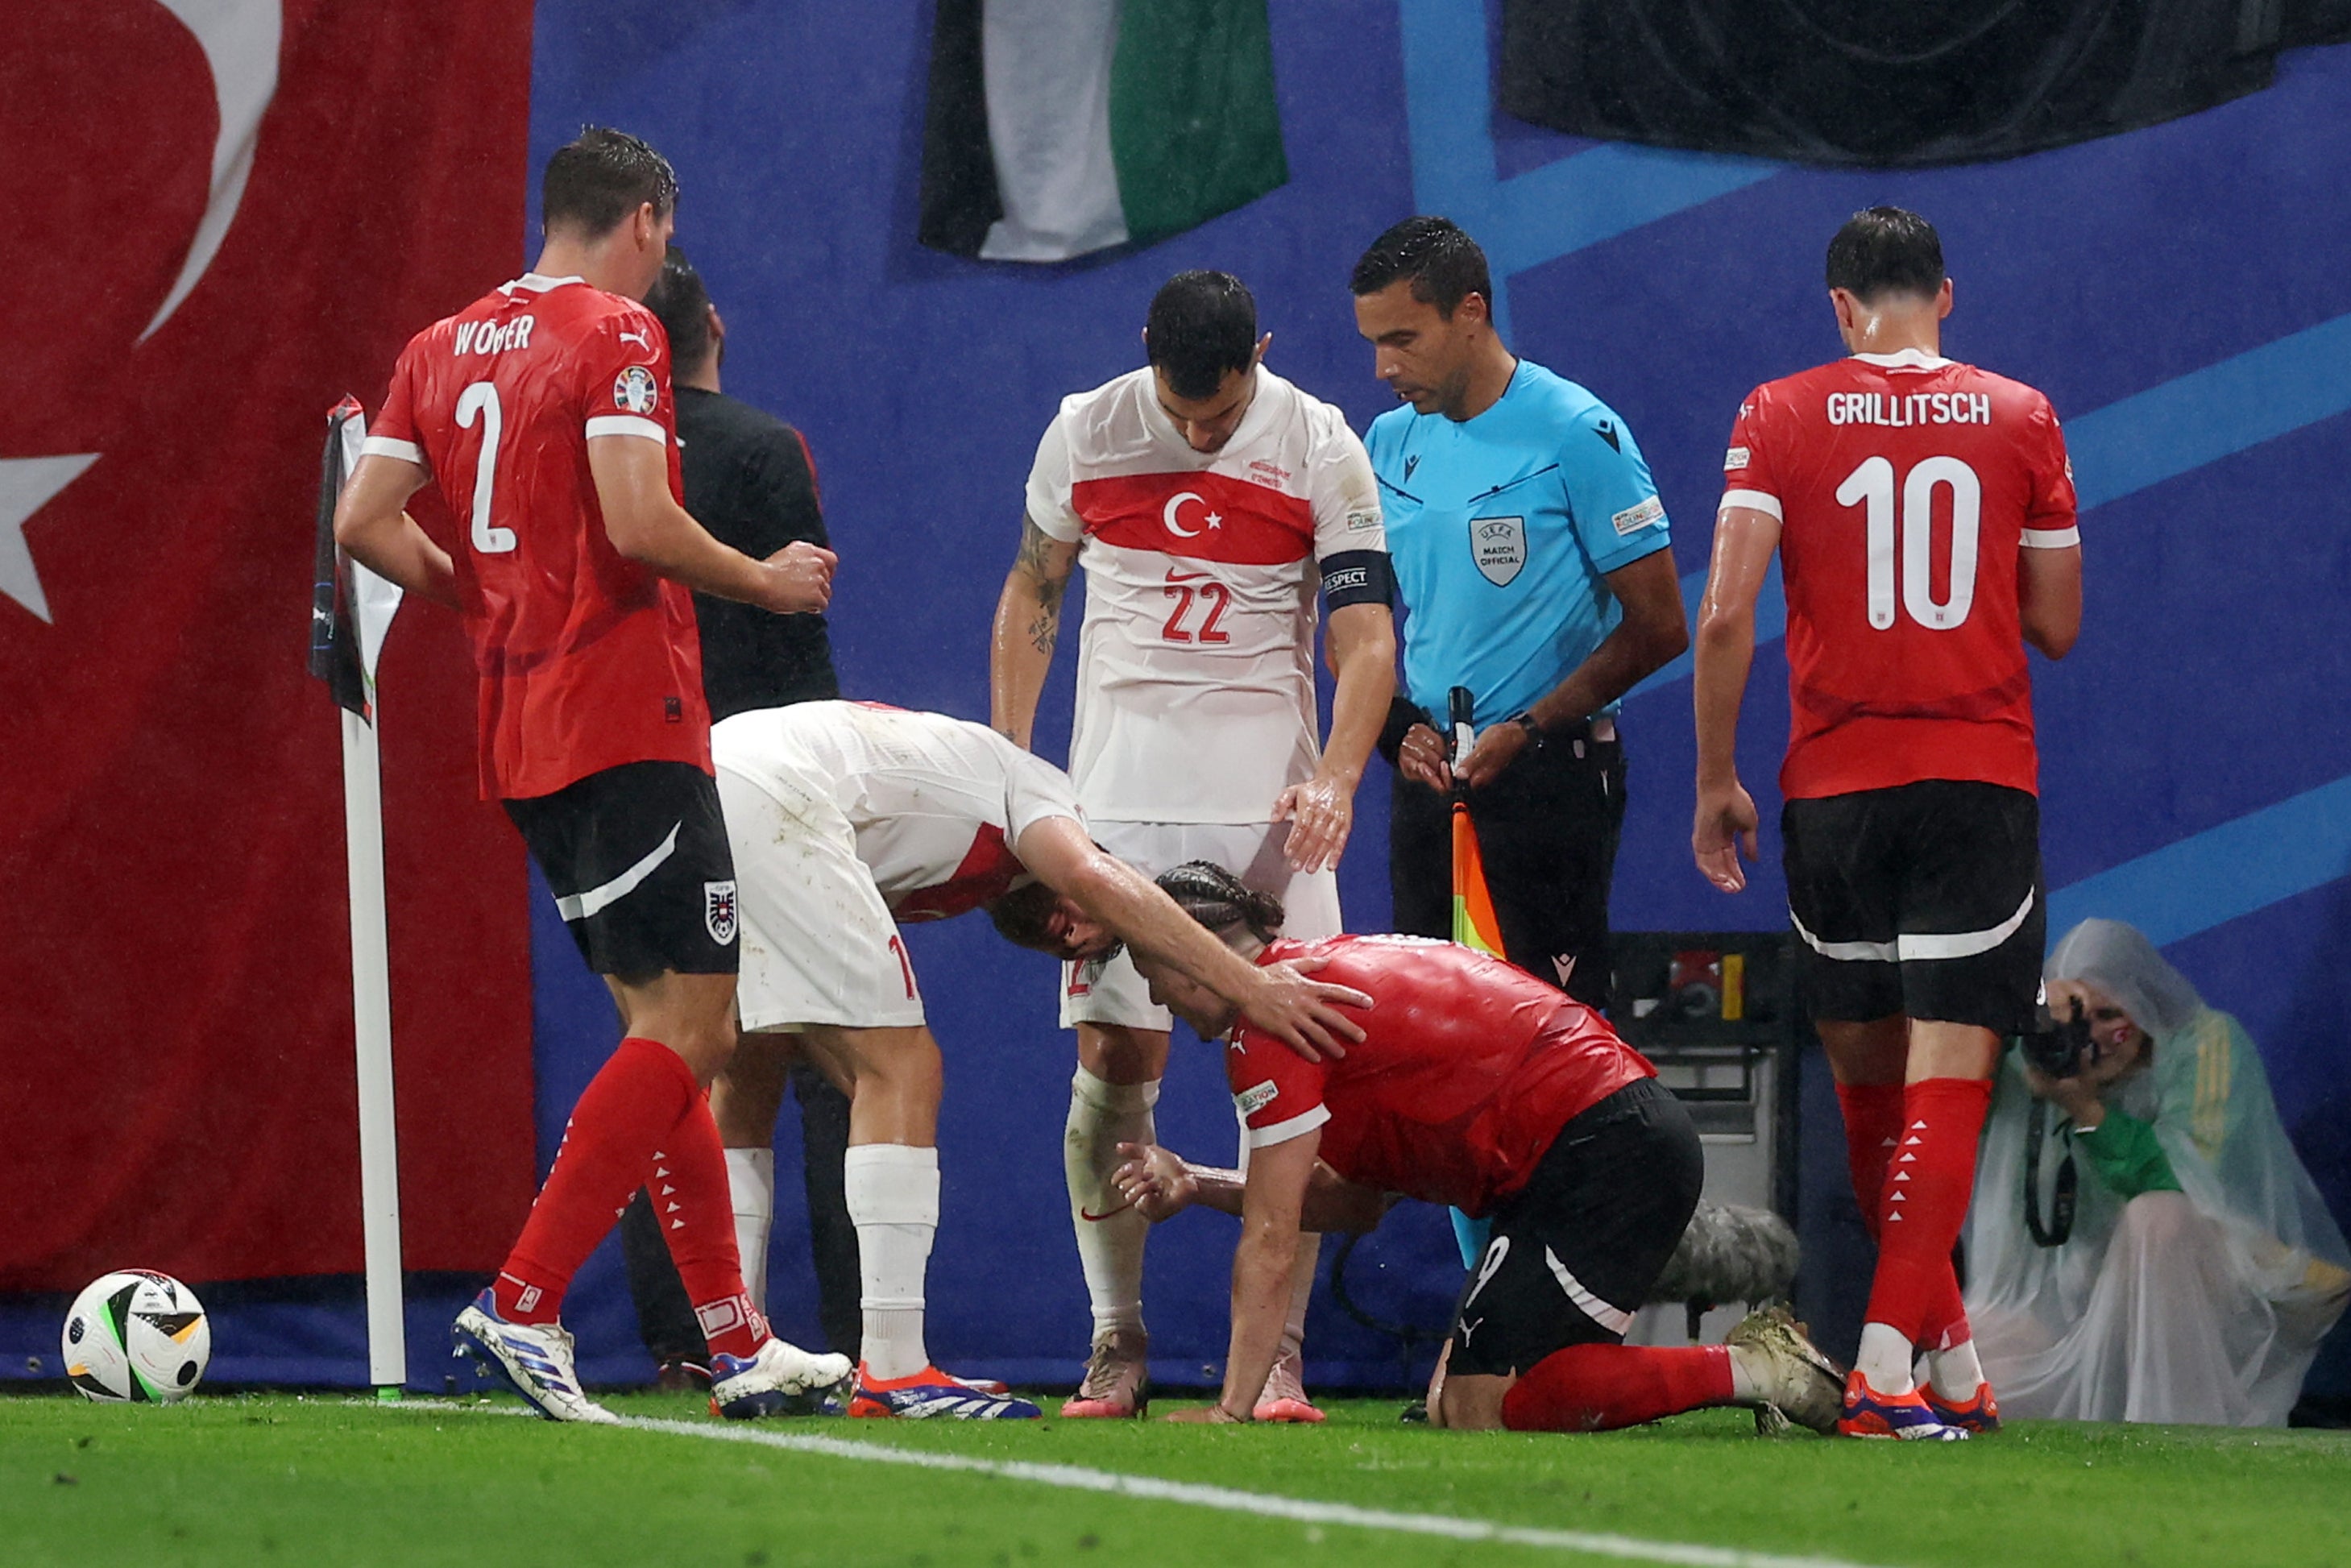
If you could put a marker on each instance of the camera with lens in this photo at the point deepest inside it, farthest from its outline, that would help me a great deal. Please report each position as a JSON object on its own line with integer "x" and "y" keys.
{"x": 2059, "y": 1048}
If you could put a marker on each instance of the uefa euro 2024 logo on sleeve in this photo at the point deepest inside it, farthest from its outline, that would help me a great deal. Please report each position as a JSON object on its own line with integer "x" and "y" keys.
{"x": 635, "y": 390}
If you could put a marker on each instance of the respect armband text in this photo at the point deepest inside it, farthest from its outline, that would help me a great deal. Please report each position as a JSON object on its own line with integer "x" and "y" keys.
{"x": 1358, "y": 577}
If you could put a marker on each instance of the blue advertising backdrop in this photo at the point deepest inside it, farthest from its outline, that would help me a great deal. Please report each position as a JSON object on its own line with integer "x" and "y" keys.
{"x": 2179, "y": 292}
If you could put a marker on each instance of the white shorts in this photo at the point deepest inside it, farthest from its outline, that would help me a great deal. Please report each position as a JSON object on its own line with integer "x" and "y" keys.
{"x": 1111, "y": 991}
{"x": 818, "y": 943}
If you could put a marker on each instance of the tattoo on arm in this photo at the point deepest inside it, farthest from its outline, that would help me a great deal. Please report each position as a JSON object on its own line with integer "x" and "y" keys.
{"x": 1037, "y": 562}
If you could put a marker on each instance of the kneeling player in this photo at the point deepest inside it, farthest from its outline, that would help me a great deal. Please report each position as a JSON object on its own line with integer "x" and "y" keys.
{"x": 847, "y": 818}
{"x": 1478, "y": 1086}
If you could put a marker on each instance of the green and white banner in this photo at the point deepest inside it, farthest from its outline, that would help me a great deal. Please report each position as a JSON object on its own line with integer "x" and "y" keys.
{"x": 1060, "y": 127}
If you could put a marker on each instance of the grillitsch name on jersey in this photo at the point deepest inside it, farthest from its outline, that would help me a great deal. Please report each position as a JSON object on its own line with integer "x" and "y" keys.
{"x": 1900, "y": 410}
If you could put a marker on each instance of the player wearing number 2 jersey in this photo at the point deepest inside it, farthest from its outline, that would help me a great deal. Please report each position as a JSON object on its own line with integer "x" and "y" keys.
{"x": 1923, "y": 511}
{"x": 1207, "y": 499}
{"x": 542, "y": 412}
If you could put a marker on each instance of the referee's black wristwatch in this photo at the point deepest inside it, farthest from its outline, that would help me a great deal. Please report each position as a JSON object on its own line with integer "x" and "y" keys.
{"x": 1525, "y": 719}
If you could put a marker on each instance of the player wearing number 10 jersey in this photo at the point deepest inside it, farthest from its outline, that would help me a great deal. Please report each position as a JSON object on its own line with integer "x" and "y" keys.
{"x": 542, "y": 412}
{"x": 1923, "y": 511}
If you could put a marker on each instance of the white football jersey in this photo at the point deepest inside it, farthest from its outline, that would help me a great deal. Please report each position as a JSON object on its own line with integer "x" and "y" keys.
{"x": 938, "y": 803}
{"x": 1195, "y": 663}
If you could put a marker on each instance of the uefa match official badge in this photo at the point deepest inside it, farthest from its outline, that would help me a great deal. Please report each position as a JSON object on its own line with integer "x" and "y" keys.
{"x": 718, "y": 915}
{"x": 635, "y": 390}
{"x": 1499, "y": 546}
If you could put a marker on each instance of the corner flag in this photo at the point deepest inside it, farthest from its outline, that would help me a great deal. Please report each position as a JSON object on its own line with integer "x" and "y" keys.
{"x": 350, "y": 611}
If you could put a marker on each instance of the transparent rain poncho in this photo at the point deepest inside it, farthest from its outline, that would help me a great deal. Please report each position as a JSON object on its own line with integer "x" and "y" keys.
{"x": 2203, "y": 1305}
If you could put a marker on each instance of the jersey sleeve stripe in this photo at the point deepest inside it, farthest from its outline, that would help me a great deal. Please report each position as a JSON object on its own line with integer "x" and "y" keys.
{"x": 1759, "y": 500}
{"x": 385, "y": 446}
{"x": 1297, "y": 1126}
{"x": 2052, "y": 539}
{"x": 627, "y": 424}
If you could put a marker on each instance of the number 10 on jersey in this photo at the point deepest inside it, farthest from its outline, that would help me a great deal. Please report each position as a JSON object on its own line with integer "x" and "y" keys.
{"x": 1872, "y": 486}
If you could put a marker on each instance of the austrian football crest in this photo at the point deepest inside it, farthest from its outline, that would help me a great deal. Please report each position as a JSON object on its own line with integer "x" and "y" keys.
{"x": 1499, "y": 546}
{"x": 635, "y": 390}
{"x": 718, "y": 912}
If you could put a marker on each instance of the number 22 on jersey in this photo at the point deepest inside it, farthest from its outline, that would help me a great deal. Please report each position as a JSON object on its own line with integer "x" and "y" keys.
{"x": 1872, "y": 486}
{"x": 1208, "y": 592}
{"x": 480, "y": 402}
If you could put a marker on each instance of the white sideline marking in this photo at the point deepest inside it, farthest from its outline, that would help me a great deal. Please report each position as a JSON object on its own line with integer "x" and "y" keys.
{"x": 1225, "y": 1499}
{"x": 1228, "y": 1500}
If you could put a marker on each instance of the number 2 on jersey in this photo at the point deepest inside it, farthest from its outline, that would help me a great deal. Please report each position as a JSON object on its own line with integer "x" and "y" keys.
{"x": 1214, "y": 594}
{"x": 1871, "y": 486}
{"x": 481, "y": 400}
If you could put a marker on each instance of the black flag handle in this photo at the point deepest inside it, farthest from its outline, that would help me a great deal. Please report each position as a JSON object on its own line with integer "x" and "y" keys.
{"x": 1459, "y": 704}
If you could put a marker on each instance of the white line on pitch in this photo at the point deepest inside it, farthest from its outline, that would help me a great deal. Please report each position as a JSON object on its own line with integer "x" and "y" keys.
{"x": 1228, "y": 1500}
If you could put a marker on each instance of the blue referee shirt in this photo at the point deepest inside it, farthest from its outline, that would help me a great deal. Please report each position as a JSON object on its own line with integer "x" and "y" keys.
{"x": 1502, "y": 529}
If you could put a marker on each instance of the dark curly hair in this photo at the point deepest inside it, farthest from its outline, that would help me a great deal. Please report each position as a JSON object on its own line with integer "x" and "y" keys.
{"x": 1216, "y": 898}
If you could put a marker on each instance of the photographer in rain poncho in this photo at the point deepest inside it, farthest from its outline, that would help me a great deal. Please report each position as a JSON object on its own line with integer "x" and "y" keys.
{"x": 2144, "y": 1245}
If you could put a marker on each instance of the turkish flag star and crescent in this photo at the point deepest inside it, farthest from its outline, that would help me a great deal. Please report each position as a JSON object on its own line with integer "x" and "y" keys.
{"x": 246, "y": 209}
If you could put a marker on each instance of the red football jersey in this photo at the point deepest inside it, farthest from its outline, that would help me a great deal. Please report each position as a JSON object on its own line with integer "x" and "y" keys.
{"x": 1906, "y": 487}
{"x": 587, "y": 659}
{"x": 1467, "y": 1071}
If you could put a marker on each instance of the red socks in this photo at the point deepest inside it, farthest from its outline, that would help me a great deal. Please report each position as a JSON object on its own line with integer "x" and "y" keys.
{"x": 1874, "y": 1131}
{"x": 625, "y": 1113}
{"x": 1600, "y": 1387}
{"x": 696, "y": 1210}
{"x": 1929, "y": 1177}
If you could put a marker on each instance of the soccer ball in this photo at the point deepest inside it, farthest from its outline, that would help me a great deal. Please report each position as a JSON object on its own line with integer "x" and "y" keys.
{"x": 138, "y": 1337}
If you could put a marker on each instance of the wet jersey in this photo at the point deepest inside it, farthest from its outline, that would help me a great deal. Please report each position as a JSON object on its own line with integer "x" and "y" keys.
{"x": 587, "y": 659}
{"x": 1195, "y": 674}
{"x": 936, "y": 802}
{"x": 1906, "y": 488}
{"x": 1467, "y": 1069}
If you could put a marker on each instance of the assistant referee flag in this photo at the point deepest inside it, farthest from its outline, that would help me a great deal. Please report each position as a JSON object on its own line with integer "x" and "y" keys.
{"x": 1474, "y": 925}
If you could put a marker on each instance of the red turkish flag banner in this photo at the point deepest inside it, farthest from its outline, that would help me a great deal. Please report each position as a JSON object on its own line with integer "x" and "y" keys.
{"x": 225, "y": 215}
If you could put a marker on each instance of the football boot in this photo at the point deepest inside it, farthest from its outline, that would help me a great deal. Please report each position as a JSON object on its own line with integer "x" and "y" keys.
{"x": 1117, "y": 1383}
{"x": 535, "y": 1360}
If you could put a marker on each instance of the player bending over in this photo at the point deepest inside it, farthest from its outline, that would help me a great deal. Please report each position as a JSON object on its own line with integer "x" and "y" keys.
{"x": 1479, "y": 1086}
{"x": 1912, "y": 826}
{"x": 542, "y": 411}
{"x": 848, "y": 819}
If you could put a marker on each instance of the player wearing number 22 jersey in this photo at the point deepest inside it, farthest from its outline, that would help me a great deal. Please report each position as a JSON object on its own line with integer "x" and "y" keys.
{"x": 1208, "y": 500}
{"x": 1923, "y": 513}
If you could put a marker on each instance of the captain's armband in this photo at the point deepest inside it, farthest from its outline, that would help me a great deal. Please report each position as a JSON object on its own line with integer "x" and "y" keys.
{"x": 1358, "y": 577}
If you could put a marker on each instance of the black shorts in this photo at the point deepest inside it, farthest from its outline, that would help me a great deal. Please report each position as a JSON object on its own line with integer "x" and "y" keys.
{"x": 1922, "y": 900}
{"x": 1547, "y": 829}
{"x": 1574, "y": 1252}
{"x": 638, "y": 859}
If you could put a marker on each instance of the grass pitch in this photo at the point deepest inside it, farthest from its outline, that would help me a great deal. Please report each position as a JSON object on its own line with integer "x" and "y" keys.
{"x": 326, "y": 1479}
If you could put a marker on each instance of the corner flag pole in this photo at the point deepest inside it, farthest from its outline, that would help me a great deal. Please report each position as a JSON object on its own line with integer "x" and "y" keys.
{"x": 351, "y": 611}
{"x": 1474, "y": 925}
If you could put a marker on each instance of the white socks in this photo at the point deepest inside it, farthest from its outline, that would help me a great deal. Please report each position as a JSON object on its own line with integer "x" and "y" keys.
{"x": 1886, "y": 1359}
{"x": 1956, "y": 1373}
{"x": 751, "y": 1183}
{"x": 1110, "y": 1232}
{"x": 893, "y": 1201}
